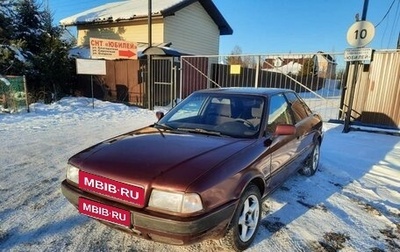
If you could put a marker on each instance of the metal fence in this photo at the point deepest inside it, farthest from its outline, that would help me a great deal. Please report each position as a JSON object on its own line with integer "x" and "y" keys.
{"x": 165, "y": 80}
{"x": 318, "y": 77}
{"x": 127, "y": 81}
{"x": 322, "y": 79}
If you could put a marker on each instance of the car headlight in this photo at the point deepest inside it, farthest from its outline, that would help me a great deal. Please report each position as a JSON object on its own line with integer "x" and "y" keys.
{"x": 73, "y": 174}
{"x": 175, "y": 201}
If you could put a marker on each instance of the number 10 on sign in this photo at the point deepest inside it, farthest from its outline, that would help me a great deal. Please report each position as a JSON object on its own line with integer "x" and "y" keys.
{"x": 360, "y": 33}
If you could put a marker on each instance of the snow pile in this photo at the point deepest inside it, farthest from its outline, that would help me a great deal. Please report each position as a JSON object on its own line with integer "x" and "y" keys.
{"x": 290, "y": 68}
{"x": 351, "y": 204}
{"x": 75, "y": 111}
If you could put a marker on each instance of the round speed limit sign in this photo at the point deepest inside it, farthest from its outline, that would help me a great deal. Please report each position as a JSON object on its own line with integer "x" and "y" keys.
{"x": 360, "y": 33}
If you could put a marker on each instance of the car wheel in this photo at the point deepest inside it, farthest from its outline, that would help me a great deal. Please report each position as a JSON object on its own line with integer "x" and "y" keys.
{"x": 311, "y": 163}
{"x": 244, "y": 224}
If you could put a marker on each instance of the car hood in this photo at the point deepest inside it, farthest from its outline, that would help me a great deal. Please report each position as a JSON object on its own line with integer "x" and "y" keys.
{"x": 151, "y": 158}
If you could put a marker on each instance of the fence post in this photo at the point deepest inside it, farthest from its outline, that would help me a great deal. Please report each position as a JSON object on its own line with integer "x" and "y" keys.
{"x": 26, "y": 93}
{"x": 257, "y": 71}
{"x": 346, "y": 128}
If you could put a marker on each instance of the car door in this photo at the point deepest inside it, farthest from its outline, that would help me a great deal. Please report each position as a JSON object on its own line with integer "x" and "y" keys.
{"x": 283, "y": 148}
{"x": 303, "y": 118}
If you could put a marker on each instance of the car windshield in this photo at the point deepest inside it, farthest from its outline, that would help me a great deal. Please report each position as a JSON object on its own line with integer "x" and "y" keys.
{"x": 217, "y": 114}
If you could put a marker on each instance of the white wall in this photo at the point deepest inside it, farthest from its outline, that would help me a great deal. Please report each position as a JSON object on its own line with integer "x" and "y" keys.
{"x": 191, "y": 30}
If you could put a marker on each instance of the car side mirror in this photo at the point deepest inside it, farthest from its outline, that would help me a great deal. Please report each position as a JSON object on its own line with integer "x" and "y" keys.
{"x": 285, "y": 130}
{"x": 159, "y": 115}
{"x": 280, "y": 130}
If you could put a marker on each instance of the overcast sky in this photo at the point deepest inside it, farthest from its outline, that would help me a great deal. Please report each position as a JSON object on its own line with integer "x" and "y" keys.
{"x": 297, "y": 26}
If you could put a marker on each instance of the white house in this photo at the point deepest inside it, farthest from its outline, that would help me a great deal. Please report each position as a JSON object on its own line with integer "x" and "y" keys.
{"x": 189, "y": 26}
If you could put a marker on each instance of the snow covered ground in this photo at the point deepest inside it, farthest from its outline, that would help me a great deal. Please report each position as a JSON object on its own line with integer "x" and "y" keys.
{"x": 351, "y": 204}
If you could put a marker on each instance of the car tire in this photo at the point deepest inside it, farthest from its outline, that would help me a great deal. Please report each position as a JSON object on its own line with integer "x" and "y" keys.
{"x": 246, "y": 220}
{"x": 312, "y": 162}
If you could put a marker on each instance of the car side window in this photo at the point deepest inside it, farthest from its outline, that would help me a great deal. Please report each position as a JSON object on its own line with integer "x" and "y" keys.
{"x": 299, "y": 108}
{"x": 278, "y": 113}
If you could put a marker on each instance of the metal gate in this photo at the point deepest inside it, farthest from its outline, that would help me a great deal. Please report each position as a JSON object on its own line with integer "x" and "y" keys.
{"x": 318, "y": 78}
{"x": 164, "y": 79}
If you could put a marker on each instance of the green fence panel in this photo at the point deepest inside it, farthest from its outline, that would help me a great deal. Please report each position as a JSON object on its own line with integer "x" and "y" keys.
{"x": 12, "y": 93}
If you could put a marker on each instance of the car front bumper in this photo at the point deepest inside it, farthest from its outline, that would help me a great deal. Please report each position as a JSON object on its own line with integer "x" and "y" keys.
{"x": 177, "y": 231}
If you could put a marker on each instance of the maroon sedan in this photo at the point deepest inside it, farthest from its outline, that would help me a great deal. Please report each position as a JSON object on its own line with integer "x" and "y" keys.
{"x": 202, "y": 170}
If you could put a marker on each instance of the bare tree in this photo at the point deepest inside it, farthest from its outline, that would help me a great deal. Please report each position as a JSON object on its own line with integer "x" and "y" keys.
{"x": 237, "y": 58}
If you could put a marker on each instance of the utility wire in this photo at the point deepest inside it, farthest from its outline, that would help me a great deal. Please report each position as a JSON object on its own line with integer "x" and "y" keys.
{"x": 395, "y": 22}
{"x": 386, "y": 14}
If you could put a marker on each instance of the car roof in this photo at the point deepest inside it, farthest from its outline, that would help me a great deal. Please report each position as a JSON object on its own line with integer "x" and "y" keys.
{"x": 245, "y": 90}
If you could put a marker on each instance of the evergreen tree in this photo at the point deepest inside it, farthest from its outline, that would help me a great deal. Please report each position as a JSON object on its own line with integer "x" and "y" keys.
{"x": 29, "y": 24}
{"x": 52, "y": 62}
{"x": 11, "y": 59}
{"x": 6, "y": 28}
{"x": 31, "y": 46}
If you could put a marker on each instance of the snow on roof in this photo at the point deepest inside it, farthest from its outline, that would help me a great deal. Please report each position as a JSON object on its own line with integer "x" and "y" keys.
{"x": 130, "y": 9}
{"x": 122, "y": 10}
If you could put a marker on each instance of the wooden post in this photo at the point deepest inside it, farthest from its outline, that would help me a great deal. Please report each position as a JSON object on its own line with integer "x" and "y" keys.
{"x": 26, "y": 93}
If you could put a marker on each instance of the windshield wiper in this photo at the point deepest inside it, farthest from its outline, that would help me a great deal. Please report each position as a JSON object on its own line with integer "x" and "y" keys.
{"x": 200, "y": 131}
{"x": 163, "y": 126}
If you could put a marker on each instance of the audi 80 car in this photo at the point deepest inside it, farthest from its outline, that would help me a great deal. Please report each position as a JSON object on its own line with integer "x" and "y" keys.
{"x": 202, "y": 170}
